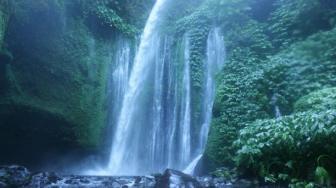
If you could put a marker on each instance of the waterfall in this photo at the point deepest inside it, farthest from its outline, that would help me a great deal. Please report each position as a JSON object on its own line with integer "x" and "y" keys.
{"x": 213, "y": 64}
{"x": 185, "y": 103}
{"x": 119, "y": 78}
{"x": 277, "y": 112}
{"x": 191, "y": 167}
{"x": 151, "y": 100}
{"x": 130, "y": 153}
{"x": 172, "y": 113}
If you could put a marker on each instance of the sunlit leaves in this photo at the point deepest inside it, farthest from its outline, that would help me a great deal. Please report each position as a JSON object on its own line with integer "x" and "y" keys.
{"x": 322, "y": 175}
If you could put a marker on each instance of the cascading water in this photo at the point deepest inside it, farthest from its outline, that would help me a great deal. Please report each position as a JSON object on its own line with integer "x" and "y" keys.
{"x": 152, "y": 129}
{"x": 274, "y": 101}
{"x": 131, "y": 148}
{"x": 214, "y": 63}
{"x": 119, "y": 78}
{"x": 185, "y": 112}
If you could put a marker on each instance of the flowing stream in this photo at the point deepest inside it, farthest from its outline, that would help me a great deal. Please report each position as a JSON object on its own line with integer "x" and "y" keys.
{"x": 152, "y": 110}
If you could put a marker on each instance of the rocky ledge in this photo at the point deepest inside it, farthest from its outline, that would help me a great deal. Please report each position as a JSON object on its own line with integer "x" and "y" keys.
{"x": 18, "y": 176}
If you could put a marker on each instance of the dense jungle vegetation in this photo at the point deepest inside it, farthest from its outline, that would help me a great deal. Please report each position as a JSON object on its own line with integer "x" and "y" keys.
{"x": 274, "y": 116}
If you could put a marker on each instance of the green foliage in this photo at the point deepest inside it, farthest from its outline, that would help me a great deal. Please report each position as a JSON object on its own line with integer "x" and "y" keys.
{"x": 294, "y": 20}
{"x": 198, "y": 38}
{"x": 320, "y": 100}
{"x": 106, "y": 14}
{"x": 289, "y": 145}
{"x": 110, "y": 18}
{"x": 302, "y": 68}
{"x": 240, "y": 99}
{"x": 253, "y": 43}
{"x": 251, "y": 36}
{"x": 256, "y": 71}
{"x": 295, "y": 183}
{"x": 227, "y": 174}
{"x": 131, "y": 12}
{"x": 213, "y": 11}
{"x": 322, "y": 175}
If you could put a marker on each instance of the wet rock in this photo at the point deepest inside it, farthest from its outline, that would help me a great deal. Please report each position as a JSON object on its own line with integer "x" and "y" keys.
{"x": 173, "y": 178}
{"x": 148, "y": 181}
{"x": 17, "y": 176}
{"x": 243, "y": 183}
{"x": 209, "y": 181}
{"x": 44, "y": 179}
{"x": 14, "y": 176}
{"x": 85, "y": 181}
{"x": 115, "y": 184}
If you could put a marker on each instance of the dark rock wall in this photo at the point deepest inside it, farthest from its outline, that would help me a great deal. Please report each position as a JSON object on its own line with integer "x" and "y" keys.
{"x": 53, "y": 82}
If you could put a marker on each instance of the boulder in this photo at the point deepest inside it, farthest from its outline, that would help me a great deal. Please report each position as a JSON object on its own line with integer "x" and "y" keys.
{"x": 14, "y": 176}
{"x": 44, "y": 179}
{"x": 174, "y": 178}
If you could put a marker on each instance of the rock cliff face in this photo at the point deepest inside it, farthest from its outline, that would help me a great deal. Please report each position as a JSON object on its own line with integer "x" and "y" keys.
{"x": 54, "y": 62}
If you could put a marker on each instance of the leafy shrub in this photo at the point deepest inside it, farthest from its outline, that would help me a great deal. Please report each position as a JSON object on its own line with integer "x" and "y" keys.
{"x": 256, "y": 70}
{"x": 110, "y": 18}
{"x": 240, "y": 99}
{"x": 108, "y": 13}
{"x": 287, "y": 147}
{"x": 304, "y": 67}
{"x": 320, "y": 100}
{"x": 294, "y": 20}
